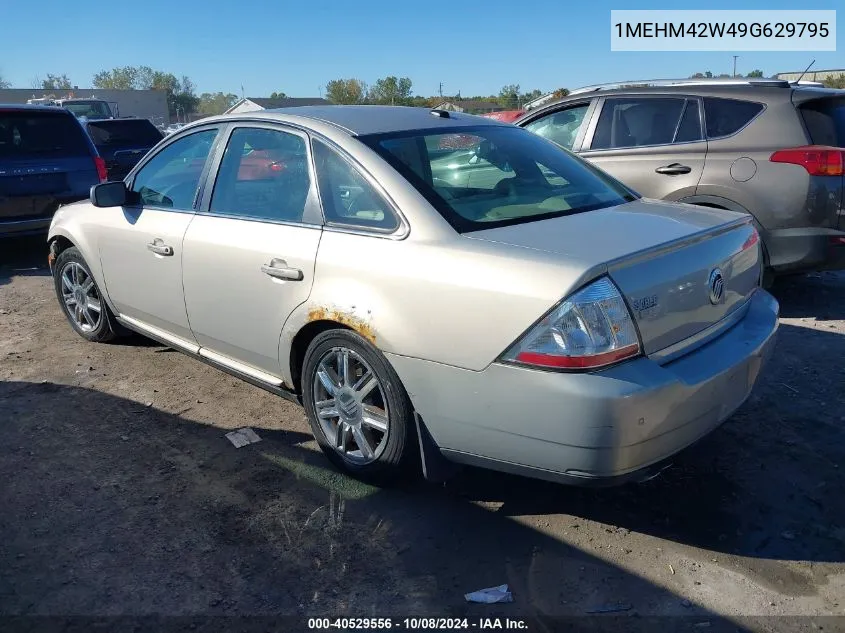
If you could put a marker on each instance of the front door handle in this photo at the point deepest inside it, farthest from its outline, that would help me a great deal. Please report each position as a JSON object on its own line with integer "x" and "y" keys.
{"x": 160, "y": 248}
{"x": 675, "y": 169}
{"x": 279, "y": 269}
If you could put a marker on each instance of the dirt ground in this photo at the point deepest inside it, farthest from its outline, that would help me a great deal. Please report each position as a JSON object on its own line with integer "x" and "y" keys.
{"x": 119, "y": 495}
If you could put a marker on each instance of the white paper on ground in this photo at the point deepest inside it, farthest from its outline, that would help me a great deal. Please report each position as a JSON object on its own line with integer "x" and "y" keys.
{"x": 490, "y": 595}
{"x": 242, "y": 437}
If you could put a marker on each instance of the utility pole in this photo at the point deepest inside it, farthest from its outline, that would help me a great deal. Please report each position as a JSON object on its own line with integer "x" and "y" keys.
{"x": 735, "y": 58}
{"x": 441, "y": 90}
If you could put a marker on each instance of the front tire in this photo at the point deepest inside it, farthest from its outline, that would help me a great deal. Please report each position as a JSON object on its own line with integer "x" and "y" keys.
{"x": 81, "y": 299}
{"x": 358, "y": 409}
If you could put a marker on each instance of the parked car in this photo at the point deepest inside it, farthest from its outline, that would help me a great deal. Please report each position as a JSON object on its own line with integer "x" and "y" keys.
{"x": 765, "y": 147}
{"x": 46, "y": 160}
{"x": 506, "y": 116}
{"x": 173, "y": 127}
{"x": 122, "y": 142}
{"x": 547, "y": 321}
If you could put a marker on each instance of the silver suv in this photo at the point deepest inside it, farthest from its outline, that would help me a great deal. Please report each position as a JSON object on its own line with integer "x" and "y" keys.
{"x": 769, "y": 148}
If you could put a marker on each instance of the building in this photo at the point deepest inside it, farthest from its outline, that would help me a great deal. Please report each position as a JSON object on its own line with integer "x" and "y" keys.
{"x": 470, "y": 106}
{"x": 251, "y": 104}
{"x": 146, "y": 104}
{"x": 811, "y": 75}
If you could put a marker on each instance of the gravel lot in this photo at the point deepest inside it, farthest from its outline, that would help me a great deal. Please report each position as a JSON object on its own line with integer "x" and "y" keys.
{"x": 121, "y": 496}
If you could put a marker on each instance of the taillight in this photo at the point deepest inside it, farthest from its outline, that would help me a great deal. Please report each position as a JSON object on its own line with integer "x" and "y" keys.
{"x": 818, "y": 160}
{"x": 590, "y": 329}
{"x": 277, "y": 166}
{"x": 102, "y": 174}
{"x": 752, "y": 240}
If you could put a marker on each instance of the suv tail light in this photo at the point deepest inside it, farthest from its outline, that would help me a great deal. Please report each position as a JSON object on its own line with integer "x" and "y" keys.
{"x": 102, "y": 173}
{"x": 590, "y": 329}
{"x": 818, "y": 160}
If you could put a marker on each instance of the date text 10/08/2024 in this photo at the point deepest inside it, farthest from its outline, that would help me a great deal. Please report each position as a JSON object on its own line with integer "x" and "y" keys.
{"x": 417, "y": 624}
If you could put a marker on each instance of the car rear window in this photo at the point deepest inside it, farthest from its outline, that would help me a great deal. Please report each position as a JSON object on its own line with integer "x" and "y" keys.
{"x": 33, "y": 134}
{"x": 825, "y": 121}
{"x": 124, "y": 132}
{"x": 727, "y": 116}
{"x": 490, "y": 176}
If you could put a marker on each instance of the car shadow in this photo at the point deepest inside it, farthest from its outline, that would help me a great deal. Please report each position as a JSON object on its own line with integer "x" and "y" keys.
{"x": 817, "y": 295}
{"x": 113, "y": 509}
{"x": 23, "y": 257}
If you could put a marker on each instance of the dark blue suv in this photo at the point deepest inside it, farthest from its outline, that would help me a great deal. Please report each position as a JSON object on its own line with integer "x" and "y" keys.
{"x": 46, "y": 160}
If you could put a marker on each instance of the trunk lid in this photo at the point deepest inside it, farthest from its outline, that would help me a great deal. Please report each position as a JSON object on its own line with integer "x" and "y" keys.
{"x": 665, "y": 259}
{"x": 824, "y": 120}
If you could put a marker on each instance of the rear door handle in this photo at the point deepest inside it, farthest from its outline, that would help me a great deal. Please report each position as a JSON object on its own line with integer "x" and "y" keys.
{"x": 675, "y": 169}
{"x": 279, "y": 269}
{"x": 160, "y": 248}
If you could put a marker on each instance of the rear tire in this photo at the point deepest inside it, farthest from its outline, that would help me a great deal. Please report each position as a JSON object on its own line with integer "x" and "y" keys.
{"x": 361, "y": 417}
{"x": 81, "y": 299}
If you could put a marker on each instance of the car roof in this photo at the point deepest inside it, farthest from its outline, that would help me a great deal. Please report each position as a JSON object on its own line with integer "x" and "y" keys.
{"x": 759, "y": 92}
{"x": 26, "y": 107}
{"x": 361, "y": 120}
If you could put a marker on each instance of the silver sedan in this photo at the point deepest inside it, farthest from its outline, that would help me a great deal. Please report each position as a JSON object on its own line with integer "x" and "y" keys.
{"x": 433, "y": 287}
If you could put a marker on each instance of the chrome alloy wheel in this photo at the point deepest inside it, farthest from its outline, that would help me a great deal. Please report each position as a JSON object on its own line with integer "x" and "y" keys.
{"x": 81, "y": 298}
{"x": 350, "y": 406}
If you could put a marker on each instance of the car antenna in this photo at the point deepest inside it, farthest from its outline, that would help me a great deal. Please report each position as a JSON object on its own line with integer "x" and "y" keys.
{"x": 801, "y": 76}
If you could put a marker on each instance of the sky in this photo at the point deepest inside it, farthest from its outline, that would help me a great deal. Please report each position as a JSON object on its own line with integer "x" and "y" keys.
{"x": 295, "y": 46}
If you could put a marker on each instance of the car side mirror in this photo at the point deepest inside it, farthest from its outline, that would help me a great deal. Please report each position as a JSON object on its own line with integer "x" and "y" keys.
{"x": 110, "y": 194}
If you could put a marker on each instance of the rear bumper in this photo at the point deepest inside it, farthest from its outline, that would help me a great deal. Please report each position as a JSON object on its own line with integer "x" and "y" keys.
{"x": 808, "y": 249}
{"x": 25, "y": 215}
{"x": 29, "y": 226}
{"x": 591, "y": 428}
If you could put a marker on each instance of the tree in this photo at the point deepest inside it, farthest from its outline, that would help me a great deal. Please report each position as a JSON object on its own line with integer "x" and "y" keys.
{"x": 117, "y": 79}
{"x": 56, "y": 82}
{"x": 4, "y": 84}
{"x": 755, "y": 74}
{"x": 509, "y": 96}
{"x": 391, "y": 90}
{"x": 216, "y": 102}
{"x": 181, "y": 98}
{"x": 278, "y": 95}
{"x": 837, "y": 81}
{"x": 704, "y": 75}
{"x": 344, "y": 91}
{"x": 560, "y": 93}
{"x": 530, "y": 96}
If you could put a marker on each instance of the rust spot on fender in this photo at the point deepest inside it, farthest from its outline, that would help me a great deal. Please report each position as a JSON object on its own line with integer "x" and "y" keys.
{"x": 353, "y": 321}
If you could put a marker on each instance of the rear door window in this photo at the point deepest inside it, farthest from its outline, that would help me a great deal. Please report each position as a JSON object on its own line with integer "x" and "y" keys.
{"x": 41, "y": 135}
{"x": 825, "y": 121}
{"x": 263, "y": 176}
{"x": 641, "y": 122}
{"x": 124, "y": 133}
{"x": 727, "y": 116}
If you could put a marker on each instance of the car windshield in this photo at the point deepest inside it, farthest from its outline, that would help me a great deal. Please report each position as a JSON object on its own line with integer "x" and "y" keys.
{"x": 488, "y": 176}
{"x": 90, "y": 109}
{"x": 124, "y": 132}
